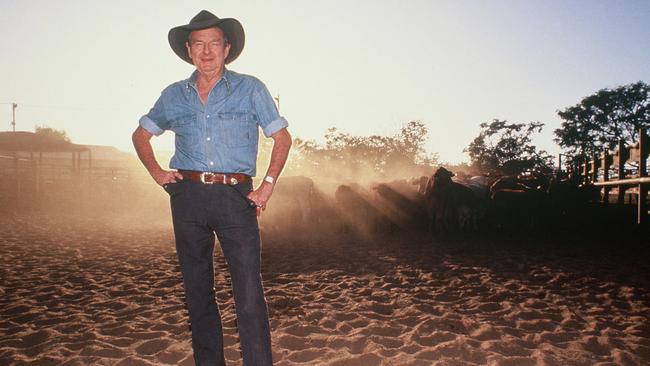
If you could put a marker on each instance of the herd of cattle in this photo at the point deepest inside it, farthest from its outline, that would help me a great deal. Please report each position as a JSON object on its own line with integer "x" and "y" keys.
{"x": 440, "y": 204}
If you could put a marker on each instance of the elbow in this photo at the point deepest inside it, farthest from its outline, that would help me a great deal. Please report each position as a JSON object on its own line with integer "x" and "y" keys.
{"x": 135, "y": 137}
{"x": 282, "y": 137}
{"x": 140, "y": 136}
{"x": 286, "y": 137}
{"x": 289, "y": 139}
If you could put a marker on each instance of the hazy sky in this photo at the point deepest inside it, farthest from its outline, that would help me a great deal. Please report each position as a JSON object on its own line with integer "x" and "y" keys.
{"x": 93, "y": 68}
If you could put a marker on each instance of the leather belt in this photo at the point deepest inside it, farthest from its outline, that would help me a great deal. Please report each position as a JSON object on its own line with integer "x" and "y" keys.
{"x": 214, "y": 178}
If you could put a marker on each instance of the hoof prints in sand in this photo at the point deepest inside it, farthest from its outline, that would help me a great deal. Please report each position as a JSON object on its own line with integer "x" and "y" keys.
{"x": 75, "y": 294}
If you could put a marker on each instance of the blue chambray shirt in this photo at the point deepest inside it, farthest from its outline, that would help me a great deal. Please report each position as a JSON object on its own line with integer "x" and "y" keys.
{"x": 222, "y": 135}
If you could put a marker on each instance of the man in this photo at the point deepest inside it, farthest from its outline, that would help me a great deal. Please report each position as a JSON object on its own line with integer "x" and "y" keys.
{"x": 215, "y": 116}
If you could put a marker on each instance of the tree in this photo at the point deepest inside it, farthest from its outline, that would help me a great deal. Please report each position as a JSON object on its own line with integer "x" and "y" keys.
{"x": 409, "y": 142}
{"x": 601, "y": 120}
{"x": 504, "y": 148}
{"x": 51, "y": 133}
{"x": 366, "y": 157}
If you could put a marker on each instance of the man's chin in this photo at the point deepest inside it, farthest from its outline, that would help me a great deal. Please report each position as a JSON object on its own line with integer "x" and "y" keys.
{"x": 208, "y": 68}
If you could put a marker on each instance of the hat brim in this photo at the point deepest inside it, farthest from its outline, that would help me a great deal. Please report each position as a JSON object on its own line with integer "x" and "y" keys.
{"x": 178, "y": 36}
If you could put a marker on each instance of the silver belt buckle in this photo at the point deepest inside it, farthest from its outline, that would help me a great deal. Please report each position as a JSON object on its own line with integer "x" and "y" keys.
{"x": 233, "y": 181}
{"x": 203, "y": 178}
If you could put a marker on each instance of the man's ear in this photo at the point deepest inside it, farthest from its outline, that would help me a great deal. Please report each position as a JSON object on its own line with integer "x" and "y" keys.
{"x": 227, "y": 50}
{"x": 187, "y": 45}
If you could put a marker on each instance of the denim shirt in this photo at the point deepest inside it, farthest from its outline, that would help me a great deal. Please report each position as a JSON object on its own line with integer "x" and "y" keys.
{"x": 222, "y": 135}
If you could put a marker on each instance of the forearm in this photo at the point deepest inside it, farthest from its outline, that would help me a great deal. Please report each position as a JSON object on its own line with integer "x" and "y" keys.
{"x": 279, "y": 153}
{"x": 141, "y": 141}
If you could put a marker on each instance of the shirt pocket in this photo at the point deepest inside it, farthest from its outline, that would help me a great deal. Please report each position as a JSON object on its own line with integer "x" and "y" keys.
{"x": 186, "y": 130}
{"x": 237, "y": 129}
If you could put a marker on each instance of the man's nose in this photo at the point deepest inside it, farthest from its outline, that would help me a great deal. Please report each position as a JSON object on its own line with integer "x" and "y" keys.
{"x": 207, "y": 49}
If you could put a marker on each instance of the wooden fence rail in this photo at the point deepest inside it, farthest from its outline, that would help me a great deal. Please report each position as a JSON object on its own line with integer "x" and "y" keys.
{"x": 41, "y": 178}
{"x": 596, "y": 171}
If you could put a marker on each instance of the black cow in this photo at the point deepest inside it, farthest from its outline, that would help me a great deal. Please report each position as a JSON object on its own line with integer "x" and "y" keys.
{"x": 452, "y": 207}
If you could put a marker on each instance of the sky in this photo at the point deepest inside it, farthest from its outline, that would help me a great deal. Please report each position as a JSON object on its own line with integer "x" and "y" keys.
{"x": 93, "y": 68}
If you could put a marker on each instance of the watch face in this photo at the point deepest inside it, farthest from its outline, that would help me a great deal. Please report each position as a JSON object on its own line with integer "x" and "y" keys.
{"x": 269, "y": 179}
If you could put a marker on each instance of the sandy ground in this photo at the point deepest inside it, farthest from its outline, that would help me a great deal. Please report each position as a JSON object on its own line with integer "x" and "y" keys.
{"x": 82, "y": 292}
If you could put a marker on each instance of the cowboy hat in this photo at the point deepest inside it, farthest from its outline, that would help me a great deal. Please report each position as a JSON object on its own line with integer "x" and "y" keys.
{"x": 232, "y": 29}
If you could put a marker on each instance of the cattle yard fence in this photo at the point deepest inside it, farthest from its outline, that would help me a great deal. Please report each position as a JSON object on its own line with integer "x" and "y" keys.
{"x": 624, "y": 170}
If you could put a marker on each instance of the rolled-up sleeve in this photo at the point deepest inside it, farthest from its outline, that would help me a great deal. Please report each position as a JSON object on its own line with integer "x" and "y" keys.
{"x": 155, "y": 122}
{"x": 151, "y": 126}
{"x": 266, "y": 111}
{"x": 275, "y": 126}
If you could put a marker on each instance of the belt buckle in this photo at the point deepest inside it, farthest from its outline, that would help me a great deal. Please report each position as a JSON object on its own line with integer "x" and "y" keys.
{"x": 233, "y": 181}
{"x": 202, "y": 176}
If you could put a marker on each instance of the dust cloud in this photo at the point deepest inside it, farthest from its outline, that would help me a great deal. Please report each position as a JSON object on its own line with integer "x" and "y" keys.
{"x": 316, "y": 195}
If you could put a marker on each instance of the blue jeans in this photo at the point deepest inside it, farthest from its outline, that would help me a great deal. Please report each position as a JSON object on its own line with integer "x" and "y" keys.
{"x": 199, "y": 211}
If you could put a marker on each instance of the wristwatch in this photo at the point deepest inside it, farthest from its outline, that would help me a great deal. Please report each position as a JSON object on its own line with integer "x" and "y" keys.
{"x": 269, "y": 179}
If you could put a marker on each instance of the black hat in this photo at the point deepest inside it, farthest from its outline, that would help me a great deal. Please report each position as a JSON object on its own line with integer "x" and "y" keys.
{"x": 204, "y": 19}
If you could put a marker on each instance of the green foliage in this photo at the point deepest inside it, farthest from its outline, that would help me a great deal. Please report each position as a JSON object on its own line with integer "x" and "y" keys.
{"x": 51, "y": 133}
{"x": 600, "y": 120}
{"x": 504, "y": 148}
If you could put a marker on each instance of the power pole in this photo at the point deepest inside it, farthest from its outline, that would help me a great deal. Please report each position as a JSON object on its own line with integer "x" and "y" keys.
{"x": 13, "y": 121}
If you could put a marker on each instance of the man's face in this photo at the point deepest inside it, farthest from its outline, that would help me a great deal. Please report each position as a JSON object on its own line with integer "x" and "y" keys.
{"x": 208, "y": 49}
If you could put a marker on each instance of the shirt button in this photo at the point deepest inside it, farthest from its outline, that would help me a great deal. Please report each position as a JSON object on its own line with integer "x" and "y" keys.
{"x": 208, "y": 139}
{"x": 211, "y": 163}
{"x": 208, "y": 116}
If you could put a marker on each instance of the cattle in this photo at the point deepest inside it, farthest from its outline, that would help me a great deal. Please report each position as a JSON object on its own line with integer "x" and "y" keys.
{"x": 519, "y": 203}
{"x": 402, "y": 204}
{"x": 533, "y": 181}
{"x": 421, "y": 183}
{"x": 480, "y": 185}
{"x": 358, "y": 213}
{"x": 518, "y": 209}
{"x": 296, "y": 206}
{"x": 452, "y": 207}
{"x": 569, "y": 201}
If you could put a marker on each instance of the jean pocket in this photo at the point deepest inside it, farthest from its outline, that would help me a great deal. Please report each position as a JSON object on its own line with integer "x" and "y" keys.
{"x": 173, "y": 189}
{"x": 242, "y": 191}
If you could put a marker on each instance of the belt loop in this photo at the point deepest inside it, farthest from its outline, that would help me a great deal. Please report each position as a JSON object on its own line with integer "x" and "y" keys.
{"x": 224, "y": 178}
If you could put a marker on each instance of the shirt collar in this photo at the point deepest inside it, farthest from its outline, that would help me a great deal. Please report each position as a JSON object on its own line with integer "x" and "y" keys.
{"x": 226, "y": 77}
